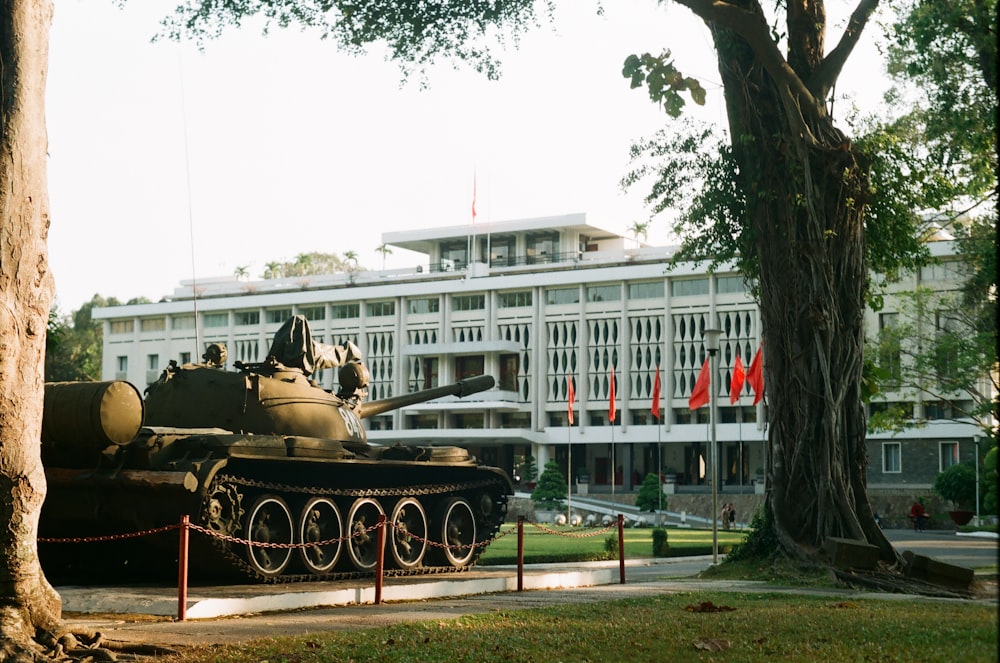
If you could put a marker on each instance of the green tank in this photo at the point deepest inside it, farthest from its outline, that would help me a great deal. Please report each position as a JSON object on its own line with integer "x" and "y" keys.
{"x": 260, "y": 455}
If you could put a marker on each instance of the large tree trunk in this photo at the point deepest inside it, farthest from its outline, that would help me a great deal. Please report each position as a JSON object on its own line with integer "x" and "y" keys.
{"x": 805, "y": 188}
{"x": 27, "y": 601}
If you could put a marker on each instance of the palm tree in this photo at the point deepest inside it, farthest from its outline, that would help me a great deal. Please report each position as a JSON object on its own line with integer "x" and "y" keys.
{"x": 385, "y": 250}
{"x": 638, "y": 228}
{"x": 242, "y": 272}
{"x": 273, "y": 270}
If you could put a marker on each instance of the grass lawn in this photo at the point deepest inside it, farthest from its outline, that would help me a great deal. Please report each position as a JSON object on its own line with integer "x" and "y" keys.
{"x": 574, "y": 544}
{"x": 701, "y": 626}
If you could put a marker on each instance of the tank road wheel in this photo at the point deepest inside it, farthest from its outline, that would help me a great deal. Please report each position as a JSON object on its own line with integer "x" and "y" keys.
{"x": 458, "y": 531}
{"x": 362, "y": 547}
{"x": 408, "y": 536}
{"x": 223, "y": 510}
{"x": 270, "y": 521}
{"x": 320, "y": 521}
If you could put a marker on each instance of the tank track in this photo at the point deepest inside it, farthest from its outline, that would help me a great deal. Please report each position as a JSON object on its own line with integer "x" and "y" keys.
{"x": 223, "y": 548}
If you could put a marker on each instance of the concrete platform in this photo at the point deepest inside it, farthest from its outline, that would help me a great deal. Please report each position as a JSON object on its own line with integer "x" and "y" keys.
{"x": 207, "y": 602}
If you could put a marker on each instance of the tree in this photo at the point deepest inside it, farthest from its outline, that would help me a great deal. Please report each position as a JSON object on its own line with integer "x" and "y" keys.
{"x": 550, "y": 492}
{"x": 385, "y": 250}
{"x": 650, "y": 495}
{"x": 73, "y": 343}
{"x": 957, "y": 484}
{"x": 639, "y": 229}
{"x": 789, "y": 207}
{"x": 29, "y": 602}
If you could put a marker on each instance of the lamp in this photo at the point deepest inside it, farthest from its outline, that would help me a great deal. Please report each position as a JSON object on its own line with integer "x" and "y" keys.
{"x": 711, "y": 339}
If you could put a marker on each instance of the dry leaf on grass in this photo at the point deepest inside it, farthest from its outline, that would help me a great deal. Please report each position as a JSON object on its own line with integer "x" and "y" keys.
{"x": 708, "y": 606}
{"x": 712, "y": 644}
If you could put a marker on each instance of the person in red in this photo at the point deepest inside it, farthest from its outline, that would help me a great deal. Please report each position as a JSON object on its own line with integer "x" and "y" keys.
{"x": 918, "y": 516}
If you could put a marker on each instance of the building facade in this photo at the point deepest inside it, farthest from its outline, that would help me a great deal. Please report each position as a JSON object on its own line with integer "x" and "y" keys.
{"x": 534, "y": 303}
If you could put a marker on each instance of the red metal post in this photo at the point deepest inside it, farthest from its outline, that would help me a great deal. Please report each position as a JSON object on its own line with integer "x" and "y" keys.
{"x": 520, "y": 553}
{"x": 182, "y": 570}
{"x": 621, "y": 548}
{"x": 379, "y": 558}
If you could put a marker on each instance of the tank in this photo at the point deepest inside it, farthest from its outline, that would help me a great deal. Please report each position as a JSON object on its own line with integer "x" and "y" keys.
{"x": 259, "y": 454}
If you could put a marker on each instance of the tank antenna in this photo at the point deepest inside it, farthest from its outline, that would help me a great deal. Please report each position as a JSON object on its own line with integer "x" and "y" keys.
{"x": 187, "y": 176}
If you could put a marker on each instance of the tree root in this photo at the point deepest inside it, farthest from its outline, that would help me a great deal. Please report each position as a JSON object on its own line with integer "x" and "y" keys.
{"x": 887, "y": 580}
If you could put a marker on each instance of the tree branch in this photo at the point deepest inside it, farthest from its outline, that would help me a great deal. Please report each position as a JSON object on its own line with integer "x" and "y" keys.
{"x": 798, "y": 100}
{"x": 826, "y": 74}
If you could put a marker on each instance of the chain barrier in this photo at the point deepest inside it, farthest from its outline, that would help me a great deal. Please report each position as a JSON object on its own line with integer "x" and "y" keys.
{"x": 108, "y": 537}
{"x": 268, "y": 544}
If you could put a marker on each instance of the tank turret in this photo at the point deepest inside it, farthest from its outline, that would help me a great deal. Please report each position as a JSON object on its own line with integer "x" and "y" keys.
{"x": 264, "y": 455}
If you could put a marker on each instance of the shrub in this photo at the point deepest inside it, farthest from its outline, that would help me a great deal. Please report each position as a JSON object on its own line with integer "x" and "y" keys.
{"x": 650, "y": 494}
{"x": 551, "y": 490}
{"x": 957, "y": 484}
{"x": 990, "y": 481}
{"x": 661, "y": 547}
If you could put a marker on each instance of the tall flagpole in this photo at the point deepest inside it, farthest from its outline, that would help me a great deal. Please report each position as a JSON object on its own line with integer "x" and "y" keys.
{"x": 569, "y": 453}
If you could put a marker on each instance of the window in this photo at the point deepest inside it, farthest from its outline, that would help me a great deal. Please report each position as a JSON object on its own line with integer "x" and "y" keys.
{"x": 604, "y": 293}
{"x": 246, "y": 318}
{"x": 514, "y": 299}
{"x": 312, "y": 313}
{"x": 381, "y": 309}
{"x": 941, "y": 271}
{"x": 454, "y": 255}
{"x": 542, "y": 247}
{"x": 278, "y": 315}
{"x": 182, "y": 322}
{"x": 509, "y": 365}
{"x": 153, "y": 362}
{"x": 891, "y": 458}
{"x": 729, "y": 285}
{"x": 424, "y": 305}
{"x": 345, "y": 311}
{"x": 648, "y": 290}
{"x": 152, "y": 324}
{"x": 467, "y": 367}
{"x": 122, "y": 326}
{"x": 468, "y": 303}
{"x": 562, "y": 296}
{"x": 185, "y": 357}
{"x": 948, "y": 455}
{"x": 122, "y": 362}
{"x": 890, "y": 350}
{"x": 689, "y": 287}
{"x": 216, "y": 320}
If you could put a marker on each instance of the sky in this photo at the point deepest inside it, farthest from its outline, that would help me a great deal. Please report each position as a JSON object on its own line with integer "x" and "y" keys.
{"x": 167, "y": 163}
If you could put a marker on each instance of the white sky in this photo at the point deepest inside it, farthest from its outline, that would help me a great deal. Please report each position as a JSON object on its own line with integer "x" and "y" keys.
{"x": 261, "y": 148}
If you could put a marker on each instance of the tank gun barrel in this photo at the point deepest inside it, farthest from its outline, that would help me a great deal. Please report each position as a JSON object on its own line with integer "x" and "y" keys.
{"x": 462, "y": 388}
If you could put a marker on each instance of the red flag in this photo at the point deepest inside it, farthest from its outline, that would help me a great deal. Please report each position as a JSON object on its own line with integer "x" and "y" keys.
{"x": 755, "y": 375}
{"x": 656, "y": 395}
{"x": 611, "y": 398}
{"x": 474, "y": 200}
{"x": 736, "y": 383}
{"x": 699, "y": 395}
{"x": 572, "y": 397}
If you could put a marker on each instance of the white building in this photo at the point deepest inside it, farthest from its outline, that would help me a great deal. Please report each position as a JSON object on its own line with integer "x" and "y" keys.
{"x": 531, "y": 302}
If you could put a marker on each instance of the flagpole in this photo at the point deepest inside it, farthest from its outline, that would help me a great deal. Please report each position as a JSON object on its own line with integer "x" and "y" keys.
{"x": 614, "y": 471}
{"x": 659, "y": 469}
{"x": 569, "y": 449}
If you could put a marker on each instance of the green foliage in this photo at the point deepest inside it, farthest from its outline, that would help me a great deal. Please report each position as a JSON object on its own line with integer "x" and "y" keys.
{"x": 762, "y": 542}
{"x": 413, "y": 33}
{"x": 663, "y": 81}
{"x": 650, "y": 495}
{"x": 661, "y": 546}
{"x": 314, "y": 263}
{"x": 957, "y": 484}
{"x": 948, "y": 52}
{"x": 551, "y": 490}
{"x": 611, "y": 545}
{"x": 529, "y": 469}
{"x": 989, "y": 481}
{"x": 73, "y": 343}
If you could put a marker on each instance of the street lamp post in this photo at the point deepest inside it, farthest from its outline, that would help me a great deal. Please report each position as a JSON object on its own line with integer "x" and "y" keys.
{"x": 712, "y": 345}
